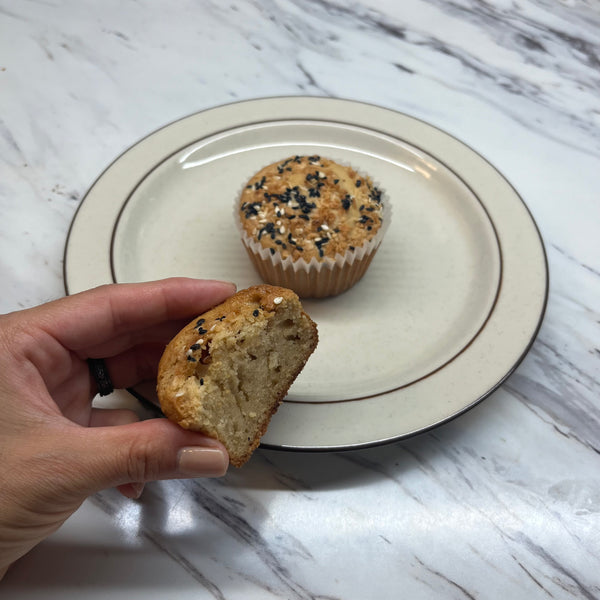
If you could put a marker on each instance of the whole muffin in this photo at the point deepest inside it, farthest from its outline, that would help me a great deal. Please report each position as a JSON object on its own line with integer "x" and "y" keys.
{"x": 311, "y": 224}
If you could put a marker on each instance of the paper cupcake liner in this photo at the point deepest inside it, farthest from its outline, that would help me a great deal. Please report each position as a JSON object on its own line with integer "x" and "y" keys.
{"x": 316, "y": 278}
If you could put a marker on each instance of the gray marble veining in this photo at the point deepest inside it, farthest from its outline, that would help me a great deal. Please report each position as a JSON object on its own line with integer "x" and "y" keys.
{"x": 503, "y": 502}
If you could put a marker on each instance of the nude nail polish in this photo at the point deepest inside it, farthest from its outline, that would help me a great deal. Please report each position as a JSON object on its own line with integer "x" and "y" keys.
{"x": 198, "y": 461}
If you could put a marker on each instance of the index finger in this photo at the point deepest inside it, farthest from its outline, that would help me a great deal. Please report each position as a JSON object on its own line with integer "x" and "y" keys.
{"x": 97, "y": 316}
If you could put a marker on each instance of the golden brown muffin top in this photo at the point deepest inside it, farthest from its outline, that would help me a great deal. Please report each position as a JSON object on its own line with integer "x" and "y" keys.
{"x": 310, "y": 206}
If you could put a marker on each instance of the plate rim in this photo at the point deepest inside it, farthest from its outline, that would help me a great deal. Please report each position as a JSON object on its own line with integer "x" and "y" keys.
{"x": 377, "y": 442}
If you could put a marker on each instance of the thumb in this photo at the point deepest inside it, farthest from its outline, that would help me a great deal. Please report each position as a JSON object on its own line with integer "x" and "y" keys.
{"x": 145, "y": 451}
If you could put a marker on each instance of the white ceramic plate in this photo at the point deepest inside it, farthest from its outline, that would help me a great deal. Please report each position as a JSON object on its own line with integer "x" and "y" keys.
{"x": 449, "y": 307}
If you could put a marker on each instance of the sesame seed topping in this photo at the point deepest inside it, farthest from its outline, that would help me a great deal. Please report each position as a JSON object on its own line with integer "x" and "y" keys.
{"x": 336, "y": 208}
{"x": 278, "y": 300}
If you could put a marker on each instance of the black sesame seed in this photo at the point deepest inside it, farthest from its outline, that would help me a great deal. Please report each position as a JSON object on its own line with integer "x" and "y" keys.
{"x": 201, "y": 381}
{"x": 268, "y": 228}
{"x": 346, "y": 201}
{"x": 358, "y": 183}
{"x": 272, "y": 250}
{"x": 191, "y": 358}
{"x": 255, "y": 313}
{"x": 336, "y": 181}
{"x": 250, "y": 210}
{"x": 195, "y": 347}
{"x": 220, "y": 318}
{"x": 375, "y": 195}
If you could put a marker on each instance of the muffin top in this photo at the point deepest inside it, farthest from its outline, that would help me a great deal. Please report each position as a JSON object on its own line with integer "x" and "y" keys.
{"x": 310, "y": 207}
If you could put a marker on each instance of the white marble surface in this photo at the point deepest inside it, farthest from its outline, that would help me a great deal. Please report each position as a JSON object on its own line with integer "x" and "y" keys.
{"x": 503, "y": 502}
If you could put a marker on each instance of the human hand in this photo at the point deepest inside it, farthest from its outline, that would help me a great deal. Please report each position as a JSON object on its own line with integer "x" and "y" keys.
{"x": 55, "y": 448}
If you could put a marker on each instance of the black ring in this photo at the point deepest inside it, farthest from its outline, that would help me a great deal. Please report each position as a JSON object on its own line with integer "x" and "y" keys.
{"x": 100, "y": 374}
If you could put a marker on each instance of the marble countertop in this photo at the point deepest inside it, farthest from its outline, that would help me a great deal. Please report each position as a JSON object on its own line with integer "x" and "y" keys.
{"x": 503, "y": 502}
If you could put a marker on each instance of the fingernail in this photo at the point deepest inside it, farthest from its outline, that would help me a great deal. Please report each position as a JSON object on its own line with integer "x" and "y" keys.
{"x": 229, "y": 283}
{"x": 202, "y": 462}
{"x": 138, "y": 488}
{"x": 131, "y": 490}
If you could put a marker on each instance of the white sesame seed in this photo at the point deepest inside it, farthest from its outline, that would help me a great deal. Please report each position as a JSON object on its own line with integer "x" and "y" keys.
{"x": 282, "y": 230}
{"x": 324, "y": 227}
{"x": 321, "y": 175}
{"x": 278, "y": 300}
{"x": 277, "y": 222}
{"x": 200, "y": 341}
{"x": 179, "y": 394}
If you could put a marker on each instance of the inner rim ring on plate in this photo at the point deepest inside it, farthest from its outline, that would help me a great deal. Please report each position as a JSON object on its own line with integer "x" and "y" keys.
{"x": 293, "y": 399}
